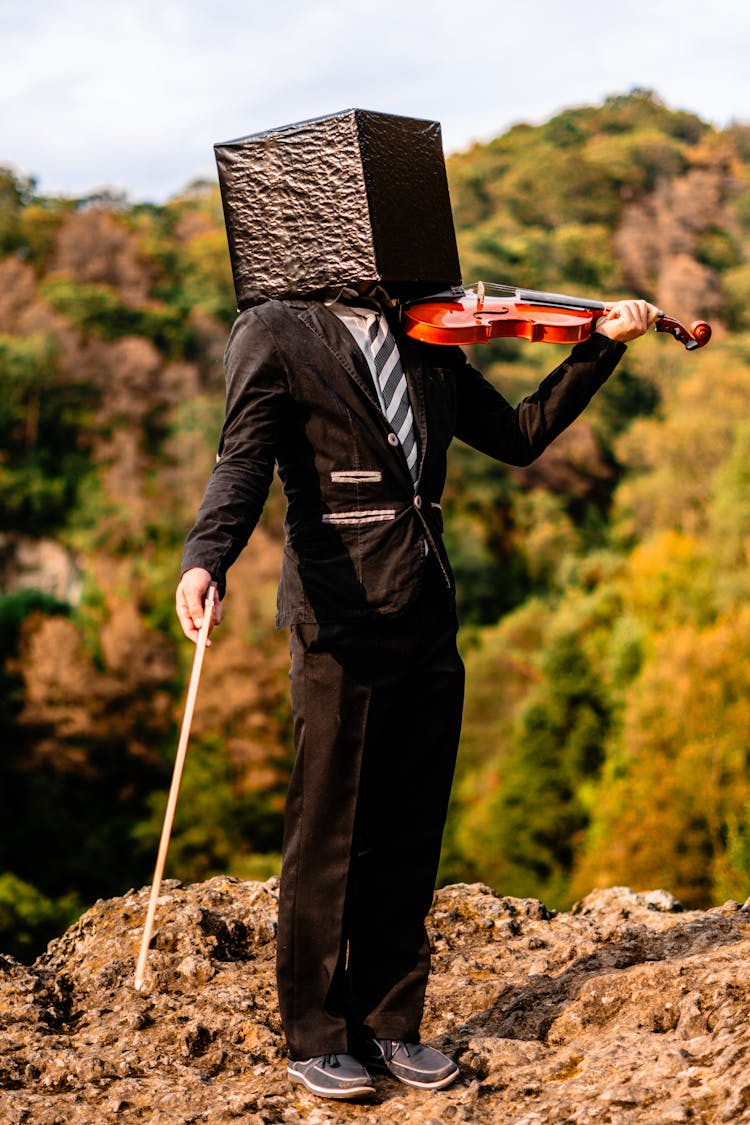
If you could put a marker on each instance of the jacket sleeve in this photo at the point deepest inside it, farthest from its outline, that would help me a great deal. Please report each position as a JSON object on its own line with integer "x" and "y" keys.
{"x": 518, "y": 435}
{"x": 257, "y": 398}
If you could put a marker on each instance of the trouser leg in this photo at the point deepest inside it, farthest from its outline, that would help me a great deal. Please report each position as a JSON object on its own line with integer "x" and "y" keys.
{"x": 403, "y": 801}
{"x": 377, "y": 716}
{"x": 330, "y": 707}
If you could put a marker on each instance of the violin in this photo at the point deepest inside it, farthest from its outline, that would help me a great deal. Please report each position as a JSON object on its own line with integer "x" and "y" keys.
{"x": 489, "y": 311}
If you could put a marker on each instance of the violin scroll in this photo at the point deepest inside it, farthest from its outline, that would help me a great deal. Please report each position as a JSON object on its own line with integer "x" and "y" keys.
{"x": 697, "y": 336}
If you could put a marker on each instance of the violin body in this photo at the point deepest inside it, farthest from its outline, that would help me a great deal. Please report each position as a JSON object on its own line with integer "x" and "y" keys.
{"x": 471, "y": 316}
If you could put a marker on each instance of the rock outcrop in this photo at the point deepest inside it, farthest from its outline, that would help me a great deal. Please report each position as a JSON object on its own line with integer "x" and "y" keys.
{"x": 628, "y": 1009}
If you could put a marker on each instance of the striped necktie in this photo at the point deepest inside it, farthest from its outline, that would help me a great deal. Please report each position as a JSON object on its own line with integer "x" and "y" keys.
{"x": 392, "y": 390}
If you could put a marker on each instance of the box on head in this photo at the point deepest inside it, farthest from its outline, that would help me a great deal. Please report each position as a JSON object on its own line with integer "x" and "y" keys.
{"x": 353, "y": 197}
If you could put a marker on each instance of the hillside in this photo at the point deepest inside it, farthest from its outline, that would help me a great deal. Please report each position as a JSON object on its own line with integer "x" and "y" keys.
{"x": 628, "y": 1010}
{"x": 603, "y": 590}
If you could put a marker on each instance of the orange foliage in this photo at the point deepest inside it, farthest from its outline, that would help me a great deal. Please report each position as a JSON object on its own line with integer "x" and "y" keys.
{"x": 95, "y": 246}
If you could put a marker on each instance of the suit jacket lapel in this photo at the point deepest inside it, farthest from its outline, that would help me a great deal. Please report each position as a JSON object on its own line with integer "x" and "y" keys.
{"x": 342, "y": 345}
{"x": 328, "y": 328}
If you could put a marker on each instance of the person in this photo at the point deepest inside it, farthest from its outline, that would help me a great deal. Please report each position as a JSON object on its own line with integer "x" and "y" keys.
{"x": 367, "y": 592}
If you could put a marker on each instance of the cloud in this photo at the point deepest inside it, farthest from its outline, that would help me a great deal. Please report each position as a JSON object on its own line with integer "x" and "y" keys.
{"x": 135, "y": 95}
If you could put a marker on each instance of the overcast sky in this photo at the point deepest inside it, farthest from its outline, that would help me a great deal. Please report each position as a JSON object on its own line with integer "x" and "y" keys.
{"x": 133, "y": 95}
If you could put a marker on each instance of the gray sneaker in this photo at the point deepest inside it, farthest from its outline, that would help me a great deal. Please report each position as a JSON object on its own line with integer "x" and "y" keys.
{"x": 332, "y": 1076}
{"x": 412, "y": 1063}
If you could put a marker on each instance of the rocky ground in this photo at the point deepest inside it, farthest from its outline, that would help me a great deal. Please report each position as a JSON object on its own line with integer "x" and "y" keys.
{"x": 627, "y": 1010}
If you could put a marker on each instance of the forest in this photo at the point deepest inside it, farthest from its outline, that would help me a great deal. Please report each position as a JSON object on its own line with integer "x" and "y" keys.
{"x": 604, "y": 591}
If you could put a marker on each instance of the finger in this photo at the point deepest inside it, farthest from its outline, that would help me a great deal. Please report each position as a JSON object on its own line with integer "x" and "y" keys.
{"x": 634, "y": 314}
{"x": 642, "y": 314}
{"x": 189, "y": 601}
{"x": 185, "y": 617}
{"x": 617, "y": 311}
{"x": 217, "y": 614}
{"x": 196, "y": 599}
{"x": 197, "y": 585}
{"x": 617, "y": 315}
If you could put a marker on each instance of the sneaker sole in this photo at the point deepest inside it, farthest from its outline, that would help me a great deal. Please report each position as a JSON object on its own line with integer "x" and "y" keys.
{"x": 436, "y": 1084}
{"x": 327, "y": 1092}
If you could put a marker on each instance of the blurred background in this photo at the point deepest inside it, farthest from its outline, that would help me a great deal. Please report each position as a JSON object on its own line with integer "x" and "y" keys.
{"x": 604, "y": 591}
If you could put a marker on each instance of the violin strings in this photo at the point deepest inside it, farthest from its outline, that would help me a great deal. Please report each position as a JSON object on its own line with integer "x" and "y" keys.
{"x": 535, "y": 296}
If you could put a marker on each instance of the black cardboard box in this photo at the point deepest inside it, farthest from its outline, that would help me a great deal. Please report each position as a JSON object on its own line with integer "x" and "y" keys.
{"x": 353, "y": 197}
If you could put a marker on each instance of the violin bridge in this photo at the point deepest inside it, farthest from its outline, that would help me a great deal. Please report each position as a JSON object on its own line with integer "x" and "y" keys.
{"x": 480, "y": 296}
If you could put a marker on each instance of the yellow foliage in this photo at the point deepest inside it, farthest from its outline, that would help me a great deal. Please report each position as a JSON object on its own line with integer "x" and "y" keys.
{"x": 668, "y": 580}
{"x": 679, "y": 777}
{"x": 673, "y": 457}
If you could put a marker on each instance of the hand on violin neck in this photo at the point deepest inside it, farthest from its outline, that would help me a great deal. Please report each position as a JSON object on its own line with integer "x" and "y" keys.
{"x": 627, "y": 320}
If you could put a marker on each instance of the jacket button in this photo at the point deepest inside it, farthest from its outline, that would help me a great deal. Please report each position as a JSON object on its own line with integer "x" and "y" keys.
{"x": 417, "y": 501}
{"x": 392, "y": 439}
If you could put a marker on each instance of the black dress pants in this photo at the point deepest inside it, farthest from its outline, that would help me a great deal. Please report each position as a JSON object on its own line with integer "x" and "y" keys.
{"x": 377, "y": 715}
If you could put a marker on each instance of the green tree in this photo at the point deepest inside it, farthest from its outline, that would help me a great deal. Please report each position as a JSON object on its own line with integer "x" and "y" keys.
{"x": 528, "y": 828}
{"x": 29, "y": 919}
{"x": 46, "y": 447}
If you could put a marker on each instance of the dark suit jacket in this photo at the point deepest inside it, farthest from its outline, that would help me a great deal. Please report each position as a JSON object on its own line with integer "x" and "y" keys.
{"x": 300, "y": 394}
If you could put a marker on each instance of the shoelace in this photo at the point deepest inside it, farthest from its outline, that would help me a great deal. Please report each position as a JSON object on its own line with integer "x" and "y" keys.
{"x": 392, "y": 1046}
